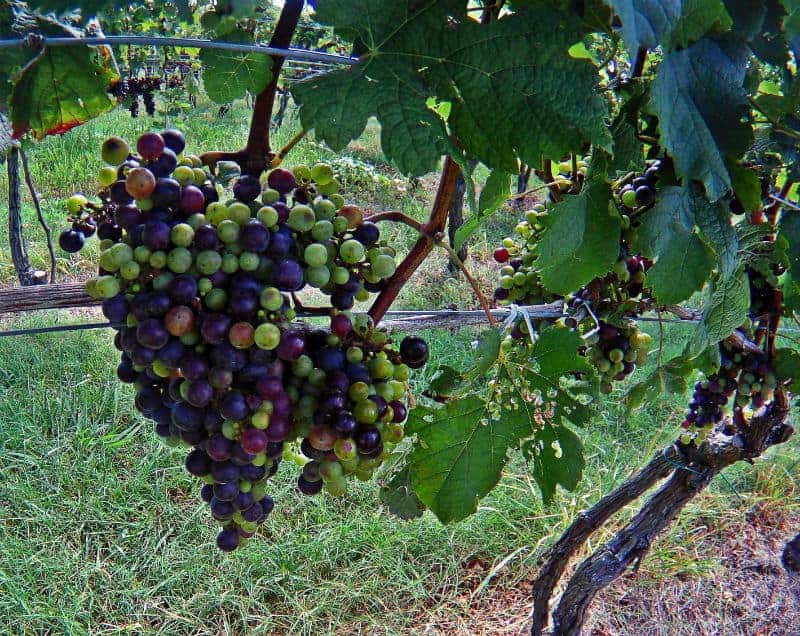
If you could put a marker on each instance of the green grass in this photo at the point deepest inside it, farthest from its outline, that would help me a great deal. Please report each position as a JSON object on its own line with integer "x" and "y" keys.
{"x": 102, "y": 531}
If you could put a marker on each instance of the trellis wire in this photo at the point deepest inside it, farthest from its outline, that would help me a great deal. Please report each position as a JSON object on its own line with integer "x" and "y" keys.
{"x": 141, "y": 40}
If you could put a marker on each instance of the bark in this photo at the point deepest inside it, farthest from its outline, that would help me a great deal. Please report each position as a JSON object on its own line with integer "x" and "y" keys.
{"x": 59, "y": 296}
{"x": 456, "y": 220}
{"x": 689, "y": 475}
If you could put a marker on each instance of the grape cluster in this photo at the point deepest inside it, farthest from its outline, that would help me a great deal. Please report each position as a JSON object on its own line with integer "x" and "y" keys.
{"x": 616, "y": 350}
{"x": 200, "y": 292}
{"x": 744, "y": 373}
{"x": 520, "y": 281}
{"x": 134, "y": 89}
{"x": 640, "y": 193}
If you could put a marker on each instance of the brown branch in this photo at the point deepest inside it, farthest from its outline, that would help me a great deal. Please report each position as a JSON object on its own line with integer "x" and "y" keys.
{"x": 211, "y": 159}
{"x": 42, "y": 222}
{"x": 276, "y": 161}
{"x": 423, "y": 247}
{"x": 586, "y": 523}
{"x": 257, "y": 151}
{"x": 59, "y": 296}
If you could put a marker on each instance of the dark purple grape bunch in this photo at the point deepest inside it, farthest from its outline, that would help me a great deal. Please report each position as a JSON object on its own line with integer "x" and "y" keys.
{"x": 640, "y": 193}
{"x": 198, "y": 291}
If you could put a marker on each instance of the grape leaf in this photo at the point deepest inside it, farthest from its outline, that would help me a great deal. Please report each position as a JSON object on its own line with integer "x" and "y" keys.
{"x": 665, "y": 379}
{"x": 62, "y": 88}
{"x": 538, "y": 383}
{"x": 683, "y": 261}
{"x": 714, "y": 221}
{"x": 228, "y": 75}
{"x": 724, "y": 311}
{"x": 580, "y": 241}
{"x": 494, "y": 194}
{"x": 747, "y": 186}
{"x": 459, "y": 454}
{"x": 787, "y": 367}
{"x": 789, "y": 236}
{"x": 557, "y": 457}
{"x": 701, "y": 105}
{"x": 418, "y": 50}
{"x": 668, "y": 23}
{"x": 398, "y": 495}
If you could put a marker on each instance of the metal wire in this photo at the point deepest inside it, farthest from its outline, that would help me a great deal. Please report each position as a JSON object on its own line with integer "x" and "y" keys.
{"x": 141, "y": 40}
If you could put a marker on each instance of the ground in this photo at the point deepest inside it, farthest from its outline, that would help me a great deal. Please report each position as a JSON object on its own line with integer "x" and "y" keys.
{"x": 101, "y": 530}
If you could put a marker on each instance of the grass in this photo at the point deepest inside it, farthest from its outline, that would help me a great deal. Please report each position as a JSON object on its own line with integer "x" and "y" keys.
{"x": 101, "y": 530}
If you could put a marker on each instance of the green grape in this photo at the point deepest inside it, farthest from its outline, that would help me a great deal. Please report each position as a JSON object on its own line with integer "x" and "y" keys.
{"x": 228, "y": 231}
{"x": 107, "y": 286}
{"x": 328, "y": 189}
{"x": 351, "y": 251}
{"x": 107, "y": 261}
{"x": 114, "y": 150}
{"x": 354, "y": 354}
{"x": 271, "y": 299}
{"x": 302, "y": 173}
{"x": 268, "y": 216}
{"x": 337, "y": 200}
{"x": 616, "y": 355}
{"x": 324, "y": 209}
{"x": 340, "y": 275}
{"x": 145, "y": 204}
{"x": 199, "y": 176}
{"x": 336, "y": 487}
{"x": 322, "y": 173}
{"x": 345, "y": 450}
{"x": 107, "y": 176}
{"x": 340, "y": 225}
{"x": 75, "y": 203}
{"x": 322, "y": 231}
{"x": 629, "y": 198}
{"x": 301, "y": 218}
{"x": 130, "y": 270}
{"x": 267, "y": 336}
{"x": 179, "y": 260}
{"x": 315, "y": 255}
{"x": 208, "y": 262}
{"x": 217, "y": 212}
{"x": 384, "y": 266}
{"x": 216, "y": 299}
{"x": 183, "y": 175}
{"x": 401, "y": 373}
{"x": 163, "y": 281}
{"x": 330, "y": 469}
{"x": 204, "y": 285}
{"x": 182, "y": 235}
{"x": 249, "y": 261}
{"x": 238, "y": 213}
{"x": 270, "y": 196}
{"x": 317, "y": 276}
{"x": 230, "y": 263}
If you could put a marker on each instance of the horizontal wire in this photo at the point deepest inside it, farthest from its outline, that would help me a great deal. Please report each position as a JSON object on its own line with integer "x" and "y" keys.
{"x": 141, "y": 40}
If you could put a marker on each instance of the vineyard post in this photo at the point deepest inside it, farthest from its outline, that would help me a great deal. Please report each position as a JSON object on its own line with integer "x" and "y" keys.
{"x": 19, "y": 254}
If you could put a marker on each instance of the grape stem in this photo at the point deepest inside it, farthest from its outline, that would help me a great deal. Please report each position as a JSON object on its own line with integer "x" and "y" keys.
{"x": 423, "y": 247}
{"x": 399, "y": 217}
{"x": 287, "y": 149}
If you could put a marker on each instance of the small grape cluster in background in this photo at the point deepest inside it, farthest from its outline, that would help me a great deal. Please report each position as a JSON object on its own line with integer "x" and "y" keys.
{"x": 201, "y": 294}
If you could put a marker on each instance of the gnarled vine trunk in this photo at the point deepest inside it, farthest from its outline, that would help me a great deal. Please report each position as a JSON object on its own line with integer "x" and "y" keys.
{"x": 19, "y": 254}
{"x": 688, "y": 470}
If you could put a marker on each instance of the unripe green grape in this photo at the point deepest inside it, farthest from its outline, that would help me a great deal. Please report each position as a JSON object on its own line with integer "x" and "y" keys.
{"x": 267, "y": 336}
{"x": 249, "y": 261}
{"x": 401, "y": 372}
{"x": 190, "y": 338}
{"x": 345, "y": 449}
{"x": 196, "y": 220}
{"x": 239, "y": 212}
{"x": 160, "y": 369}
{"x": 358, "y": 391}
{"x": 317, "y": 276}
{"x": 163, "y": 281}
{"x": 384, "y": 390}
{"x": 381, "y": 368}
{"x": 230, "y": 263}
{"x": 182, "y": 235}
{"x": 322, "y": 231}
{"x": 321, "y": 173}
{"x": 106, "y": 244}
{"x": 268, "y": 216}
{"x": 324, "y": 209}
{"x": 340, "y": 225}
{"x": 228, "y": 231}
{"x": 271, "y": 299}
{"x": 183, "y": 175}
{"x": 179, "y": 260}
{"x": 130, "y": 270}
{"x": 354, "y": 354}
{"x": 107, "y": 176}
{"x": 107, "y": 286}
{"x": 631, "y": 355}
{"x": 217, "y": 212}
{"x": 75, "y": 203}
{"x": 315, "y": 255}
{"x": 616, "y": 355}
{"x": 199, "y": 176}
{"x": 337, "y": 200}
{"x": 204, "y": 285}
{"x": 302, "y": 173}
{"x": 328, "y": 189}
{"x": 216, "y": 299}
{"x": 91, "y": 289}
{"x": 301, "y": 218}
{"x": 208, "y": 262}
{"x": 270, "y": 196}
{"x": 384, "y": 266}
{"x": 302, "y": 366}
{"x": 361, "y": 295}
{"x": 393, "y": 433}
{"x": 398, "y": 389}
{"x": 351, "y": 251}
{"x": 107, "y": 261}
{"x": 370, "y": 276}
{"x": 260, "y": 420}
{"x": 121, "y": 253}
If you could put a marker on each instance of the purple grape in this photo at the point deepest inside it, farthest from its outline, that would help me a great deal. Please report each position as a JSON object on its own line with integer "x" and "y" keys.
{"x": 228, "y": 540}
{"x": 206, "y": 493}
{"x": 253, "y": 473}
{"x": 119, "y": 193}
{"x": 342, "y": 300}
{"x": 125, "y": 372}
{"x": 220, "y": 378}
{"x": 212, "y": 421}
{"x": 243, "y": 305}
{"x": 187, "y": 417}
{"x": 224, "y": 472}
{"x": 253, "y": 514}
{"x": 142, "y": 356}
{"x": 156, "y": 235}
{"x": 194, "y": 366}
{"x": 241, "y": 457}
{"x": 367, "y": 234}
{"x": 71, "y": 241}
{"x": 278, "y": 429}
{"x": 331, "y": 359}
{"x": 174, "y": 140}
{"x": 243, "y": 501}
{"x": 288, "y": 276}
{"x": 158, "y": 304}
{"x": 205, "y": 238}
{"x": 226, "y": 491}
{"x": 221, "y": 510}
{"x": 148, "y": 399}
{"x": 171, "y": 353}
{"x": 358, "y": 372}
{"x": 192, "y": 200}
{"x": 167, "y": 193}
{"x": 116, "y": 309}
{"x": 414, "y": 351}
{"x": 280, "y": 244}
{"x": 165, "y": 164}
{"x": 198, "y": 463}
{"x": 381, "y": 404}
{"x": 269, "y": 387}
{"x": 109, "y": 231}
{"x": 234, "y": 407}
{"x": 219, "y": 448}
{"x": 291, "y": 346}
{"x": 399, "y": 410}
{"x": 210, "y": 193}
{"x": 283, "y": 211}
{"x": 345, "y": 423}
{"x": 308, "y": 487}
{"x": 254, "y": 237}
{"x": 200, "y": 393}
{"x": 127, "y": 216}
{"x": 151, "y": 334}
{"x": 338, "y": 381}
{"x": 368, "y": 439}
{"x": 214, "y": 328}
{"x": 247, "y": 188}
{"x": 183, "y": 290}
{"x": 282, "y": 180}
{"x": 267, "y": 505}
{"x": 332, "y": 402}
{"x": 226, "y": 356}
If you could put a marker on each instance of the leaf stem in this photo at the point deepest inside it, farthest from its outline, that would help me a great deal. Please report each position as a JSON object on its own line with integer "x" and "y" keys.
{"x": 287, "y": 149}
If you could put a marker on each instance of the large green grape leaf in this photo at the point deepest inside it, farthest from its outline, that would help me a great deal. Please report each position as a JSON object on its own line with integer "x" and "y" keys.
{"x": 701, "y": 105}
{"x": 714, "y": 221}
{"x": 398, "y": 495}
{"x": 787, "y": 367}
{"x": 724, "y": 310}
{"x": 418, "y": 50}
{"x": 788, "y": 242}
{"x": 228, "y": 75}
{"x": 665, "y": 379}
{"x": 460, "y": 453}
{"x": 669, "y": 24}
{"x": 557, "y": 457}
{"x": 62, "y": 88}
{"x": 495, "y": 193}
{"x": 683, "y": 260}
{"x": 581, "y": 239}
